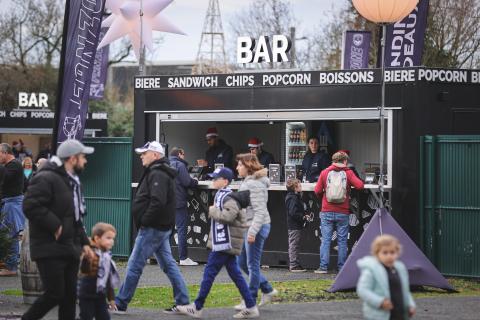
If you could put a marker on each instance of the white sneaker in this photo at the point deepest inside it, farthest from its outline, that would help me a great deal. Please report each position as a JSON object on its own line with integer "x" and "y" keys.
{"x": 240, "y": 306}
{"x": 247, "y": 313}
{"x": 267, "y": 297}
{"x": 188, "y": 262}
{"x": 190, "y": 310}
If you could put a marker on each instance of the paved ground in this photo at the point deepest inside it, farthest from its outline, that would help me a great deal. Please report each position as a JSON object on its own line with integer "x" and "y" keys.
{"x": 428, "y": 308}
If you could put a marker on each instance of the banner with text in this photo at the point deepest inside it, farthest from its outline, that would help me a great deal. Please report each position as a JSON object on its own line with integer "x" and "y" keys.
{"x": 81, "y": 35}
{"x": 356, "y": 48}
{"x": 99, "y": 74}
{"x": 405, "y": 39}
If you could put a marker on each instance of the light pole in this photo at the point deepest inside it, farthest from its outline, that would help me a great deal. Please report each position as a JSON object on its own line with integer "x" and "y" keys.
{"x": 141, "y": 62}
{"x": 383, "y": 12}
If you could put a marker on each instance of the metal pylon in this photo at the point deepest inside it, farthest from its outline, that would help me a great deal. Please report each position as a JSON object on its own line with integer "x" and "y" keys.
{"x": 211, "y": 57}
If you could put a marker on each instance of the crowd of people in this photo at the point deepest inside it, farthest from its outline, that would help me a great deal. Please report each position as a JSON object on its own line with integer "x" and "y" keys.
{"x": 73, "y": 265}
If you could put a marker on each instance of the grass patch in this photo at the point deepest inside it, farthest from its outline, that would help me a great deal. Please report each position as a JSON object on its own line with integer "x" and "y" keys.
{"x": 226, "y": 294}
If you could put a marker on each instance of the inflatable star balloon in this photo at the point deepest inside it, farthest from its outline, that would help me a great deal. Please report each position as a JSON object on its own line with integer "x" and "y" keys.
{"x": 125, "y": 20}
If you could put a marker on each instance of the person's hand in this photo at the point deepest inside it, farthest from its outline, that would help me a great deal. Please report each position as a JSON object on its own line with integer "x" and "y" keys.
{"x": 202, "y": 163}
{"x": 411, "y": 311}
{"x": 386, "y": 305}
{"x": 88, "y": 252}
{"x": 112, "y": 306}
{"x": 251, "y": 239}
{"x": 58, "y": 233}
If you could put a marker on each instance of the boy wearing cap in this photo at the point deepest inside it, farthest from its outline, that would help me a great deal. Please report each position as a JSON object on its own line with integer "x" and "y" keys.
{"x": 255, "y": 145}
{"x": 153, "y": 211}
{"x": 218, "y": 151}
{"x": 228, "y": 227}
{"x": 55, "y": 207}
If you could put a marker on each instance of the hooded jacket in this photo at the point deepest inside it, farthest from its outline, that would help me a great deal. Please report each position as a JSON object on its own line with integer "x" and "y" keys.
{"x": 183, "y": 181}
{"x": 352, "y": 181}
{"x": 295, "y": 210}
{"x": 257, "y": 211}
{"x": 154, "y": 202}
{"x": 48, "y": 204}
{"x": 234, "y": 215}
{"x": 373, "y": 287}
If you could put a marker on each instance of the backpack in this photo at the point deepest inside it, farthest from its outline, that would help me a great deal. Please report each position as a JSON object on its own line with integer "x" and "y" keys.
{"x": 336, "y": 189}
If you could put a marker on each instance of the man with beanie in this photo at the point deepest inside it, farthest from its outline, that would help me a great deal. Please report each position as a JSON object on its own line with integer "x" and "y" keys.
{"x": 183, "y": 182}
{"x": 218, "y": 151}
{"x": 55, "y": 207}
{"x": 153, "y": 211}
{"x": 255, "y": 145}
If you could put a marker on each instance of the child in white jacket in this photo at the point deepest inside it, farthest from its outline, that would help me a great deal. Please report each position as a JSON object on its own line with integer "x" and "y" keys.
{"x": 383, "y": 284}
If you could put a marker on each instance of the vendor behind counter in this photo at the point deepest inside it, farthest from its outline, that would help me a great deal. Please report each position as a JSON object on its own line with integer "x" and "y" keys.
{"x": 218, "y": 151}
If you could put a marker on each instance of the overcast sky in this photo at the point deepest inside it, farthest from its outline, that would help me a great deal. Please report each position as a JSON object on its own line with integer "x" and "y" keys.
{"x": 189, "y": 15}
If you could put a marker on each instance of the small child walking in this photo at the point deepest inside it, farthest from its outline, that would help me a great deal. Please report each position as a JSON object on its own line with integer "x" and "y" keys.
{"x": 229, "y": 224}
{"x": 296, "y": 219}
{"x": 98, "y": 276}
{"x": 383, "y": 284}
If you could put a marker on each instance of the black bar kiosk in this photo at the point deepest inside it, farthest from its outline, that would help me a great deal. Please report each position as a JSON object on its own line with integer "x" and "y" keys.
{"x": 283, "y": 109}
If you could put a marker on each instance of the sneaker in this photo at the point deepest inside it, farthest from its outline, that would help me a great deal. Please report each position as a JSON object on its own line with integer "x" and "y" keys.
{"x": 267, "y": 297}
{"x": 240, "y": 306}
{"x": 247, "y": 313}
{"x": 118, "y": 310}
{"x": 298, "y": 269}
{"x": 190, "y": 310}
{"x": 188, "y": 262}
{"x": 321, "y": 271}
{"x": 172, "y": 310}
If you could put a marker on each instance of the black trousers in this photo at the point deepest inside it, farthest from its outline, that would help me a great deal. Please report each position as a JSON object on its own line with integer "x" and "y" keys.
{"x": 94, "y": 308}
{"x": 59, "y": 279}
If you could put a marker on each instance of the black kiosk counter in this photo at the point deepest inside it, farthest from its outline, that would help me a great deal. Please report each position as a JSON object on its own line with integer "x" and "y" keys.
{"x": 339, "y": 108}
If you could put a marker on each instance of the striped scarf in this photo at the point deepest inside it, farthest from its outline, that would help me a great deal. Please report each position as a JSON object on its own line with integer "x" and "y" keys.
{"x": 220, "y": 232}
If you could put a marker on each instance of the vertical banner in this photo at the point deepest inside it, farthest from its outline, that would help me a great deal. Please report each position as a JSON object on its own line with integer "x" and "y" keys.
{"x": 405, "y": 39}
{"x": 356, "y": 48}
{"x": 80, "y": 39}
{"x": 99, "y": 74}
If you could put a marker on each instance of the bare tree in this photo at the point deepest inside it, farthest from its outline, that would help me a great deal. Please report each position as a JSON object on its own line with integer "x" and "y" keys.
{"x": 264, "y": 18}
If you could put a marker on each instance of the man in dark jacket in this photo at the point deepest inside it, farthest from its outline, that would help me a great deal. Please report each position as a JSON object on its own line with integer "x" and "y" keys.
{"x": 183, "y": 181}
{"x": 255, "y": 145}
{"x": 153, "y": 213}
{"x": 55, "y": 208}
{"x": 11, "y": 205}
{"x": 218, "y": 151}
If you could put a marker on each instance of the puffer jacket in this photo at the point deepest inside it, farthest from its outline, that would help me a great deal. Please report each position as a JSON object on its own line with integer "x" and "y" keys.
{"x": 373, "y": 287}
{"x": 234, "y": 215}
{"x": 257, "y": 211}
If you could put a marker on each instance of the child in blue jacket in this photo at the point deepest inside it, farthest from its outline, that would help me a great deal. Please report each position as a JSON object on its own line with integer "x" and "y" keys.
{"x": 383, "y": 284}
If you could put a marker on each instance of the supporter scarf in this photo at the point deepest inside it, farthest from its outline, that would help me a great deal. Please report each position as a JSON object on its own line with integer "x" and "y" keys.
{"x": 107, "y": 271}
{"x": 220, "y": 231}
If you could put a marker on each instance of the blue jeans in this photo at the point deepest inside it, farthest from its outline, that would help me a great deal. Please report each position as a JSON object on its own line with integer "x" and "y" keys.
{"x": 249, "y": 261}
{"x": 330, "y": 220}
{"x": 181, "y": 221}
{"x": 152, "y": 241}
{"x": 216, "y": 260}
{"x": 14, "y": 220}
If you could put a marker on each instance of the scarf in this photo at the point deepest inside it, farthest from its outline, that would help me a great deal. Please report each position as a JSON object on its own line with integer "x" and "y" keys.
{"x": 220, "y": 231}
{"x": 107, "y": 274}
{"x": 78, "y": 199}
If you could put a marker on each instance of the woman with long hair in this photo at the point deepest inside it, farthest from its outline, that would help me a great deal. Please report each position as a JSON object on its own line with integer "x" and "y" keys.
{"x": 314, "y": 161}
{"x": 257, "y": 182}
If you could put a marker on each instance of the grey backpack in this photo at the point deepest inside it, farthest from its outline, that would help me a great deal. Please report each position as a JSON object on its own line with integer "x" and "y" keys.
{"x": 336, "y": 190}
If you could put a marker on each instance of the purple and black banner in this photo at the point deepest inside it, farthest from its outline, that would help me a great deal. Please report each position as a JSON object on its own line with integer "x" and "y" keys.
{"x": 405, "y": 39}
{"x": 99, "y": 74}
{"x": 356, "y": 48}
{"x": 81, "y": 33}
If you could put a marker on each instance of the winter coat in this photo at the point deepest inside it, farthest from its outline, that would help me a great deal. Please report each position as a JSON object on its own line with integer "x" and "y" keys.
{"x": 183, "y": 181}
{"x": 321, "y": 185}
{"x": 154, "y": 202}
{"x": 257, "y": 211}
{"x": 313, "y": 164}
{"x": 265, "y": 158}
{"x": 221, "y": 153}
{"x": 234, "y": 215}
{"x": 13, "y": 179}
{"x": 48, "y": 204}
{"x": 373, "y": 287}
{"x": 295, "y": 210}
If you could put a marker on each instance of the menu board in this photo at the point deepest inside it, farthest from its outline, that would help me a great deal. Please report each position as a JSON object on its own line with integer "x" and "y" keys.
{"x": 274, "y": 173}
{"x": 290, "y": 171}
